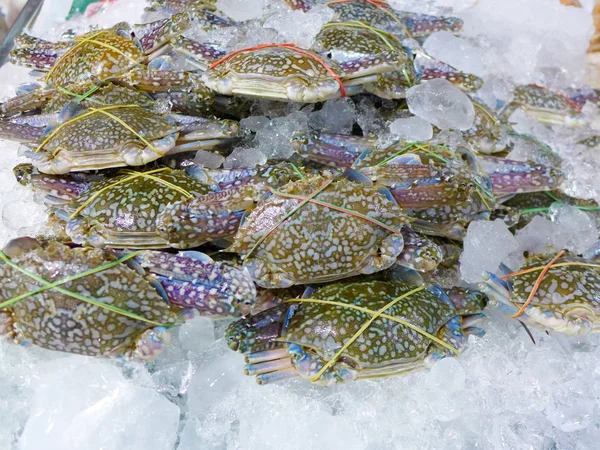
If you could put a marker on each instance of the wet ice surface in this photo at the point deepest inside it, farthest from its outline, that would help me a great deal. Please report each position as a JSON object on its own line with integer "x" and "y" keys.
{"x": 504, "y": 392}
{"x": 442, "y": 104}
{"x": 412, "y": 129}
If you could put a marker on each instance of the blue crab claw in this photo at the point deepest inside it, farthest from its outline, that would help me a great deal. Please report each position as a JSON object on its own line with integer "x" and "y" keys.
{"x": 255, "y": 334}
{"x": 192, "y": 222}
{"x": 388, "y": 252}
{"x": 330, "y": 149}
{"x": 20, "y": 133}
{"x": 266, "y": 275}
{"x": 194, "y": 280}
{"x": 513, "y": 177}
{"x": 151, "y": 343}
{"x": 431, "y": 69}
{"x": 497, "y": 290}
{"x": 422, "y": 25}
{"x": 198, "y": 54}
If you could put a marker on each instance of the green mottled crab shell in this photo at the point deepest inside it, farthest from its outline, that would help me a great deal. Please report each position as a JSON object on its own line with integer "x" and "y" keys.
{"x": 539, "y": 97}
{"x": 110, "y": 55}
{"x": 363, "y": 47}
{"x": 273, "y": 72}
{"x": 58, "y": 322}
{"x": 562, "y": 288}
{"x": 108, "y": 95}
{"x": 133, "y": 206}
{"x": 317, "y": 244}
{"x": 98, "y": 132}
{"x": 326, "y": 328}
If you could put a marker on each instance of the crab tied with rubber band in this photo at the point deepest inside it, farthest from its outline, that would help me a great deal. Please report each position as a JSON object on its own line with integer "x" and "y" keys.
{"x": 554, "y": 293}
{"x": 99, "y": 303}
{"x": 357, "y": 330}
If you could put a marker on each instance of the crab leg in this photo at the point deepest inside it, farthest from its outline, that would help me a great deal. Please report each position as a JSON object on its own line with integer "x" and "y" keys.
{"x": 275, "y": 365}
{"x": 19, "y": 133}
{"x": 510, "y": 177}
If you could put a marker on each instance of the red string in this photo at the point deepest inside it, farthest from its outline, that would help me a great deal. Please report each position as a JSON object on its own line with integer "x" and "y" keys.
{"x": 293, "y": 47}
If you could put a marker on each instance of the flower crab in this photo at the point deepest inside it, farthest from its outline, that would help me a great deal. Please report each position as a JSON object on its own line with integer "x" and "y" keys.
{"x": 357, "y": 330}
{"x": 93, "y": 302}
{"x": 115, "y": 136}
{"x": 545, "y": 105}
{"x": 141, "y": 209}
{"x": 318, "y": 230}
{"x": 555, "y": 293}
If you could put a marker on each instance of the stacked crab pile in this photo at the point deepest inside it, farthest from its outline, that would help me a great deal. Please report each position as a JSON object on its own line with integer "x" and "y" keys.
{"x": 194, "y": 165}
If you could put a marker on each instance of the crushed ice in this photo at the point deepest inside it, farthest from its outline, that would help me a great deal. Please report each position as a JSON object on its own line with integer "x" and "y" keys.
{"x": 504, "y": 391}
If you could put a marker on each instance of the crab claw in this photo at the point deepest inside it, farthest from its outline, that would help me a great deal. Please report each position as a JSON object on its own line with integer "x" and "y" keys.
{"x": 151, "y": 343}
{"x": 20, "y": 246}
{"x": 194, "y": 280}
{"x": 511, "y": 177}
{"x": 190, "y": 223}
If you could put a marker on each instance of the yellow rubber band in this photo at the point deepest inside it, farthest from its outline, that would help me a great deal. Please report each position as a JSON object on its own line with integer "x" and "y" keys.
{"x": 91, "y": 39}
{"x": 113, "y": 48}
{"x": 56, "y": 286}
{"x": 179, "y": 189}
{"x": 79, "y": 44}
{"x": 383, "y": 35}
{"x": 385, "y": 316}
{"x": 133, "y": 176}
{"x": 127, "y": 127}
{"x": 367, "y": 324}
{"x": 75, "y": 119}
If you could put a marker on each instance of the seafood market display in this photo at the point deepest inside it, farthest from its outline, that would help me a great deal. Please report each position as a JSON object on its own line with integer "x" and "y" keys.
{"x": 397, "y": 198}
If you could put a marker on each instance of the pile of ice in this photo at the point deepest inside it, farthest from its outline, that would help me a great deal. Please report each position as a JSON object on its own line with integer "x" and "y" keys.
{"x": 504, "y": 392}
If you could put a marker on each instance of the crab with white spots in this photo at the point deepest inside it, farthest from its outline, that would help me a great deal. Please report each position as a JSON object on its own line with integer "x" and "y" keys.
{"x": 344, "y": 229}
{"x": 350, "y": 331}
{"x": 101, "y": 304}
{"x": 566, "y": 300}
{"x": 114, "y": 136}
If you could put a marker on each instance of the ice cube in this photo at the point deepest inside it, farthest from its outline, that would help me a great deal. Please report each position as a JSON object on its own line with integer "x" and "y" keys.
{"x": 241, "y": 10}
{"x": 336, "y": 116}
{"x": 274, "y": 139}
{"x": 447, "y": 375}
{"x": 255, "y": 123}
{"x": 538, "y": 237}
{"x": 441, "y": 104}
{"x": 87, "y": 404}
{"x": 215, "y": 380}
{"x": 576, "y": 226}
{"x": 242, "y": 157}
{"x": 209, "y": 160}
{"x": 571, "y": 408}
{"x": 566, "y": 228}
{"x": 197, "y": 334}
{"x": 412, "y": 129}
{"x": 369, "y": 118}
{"x": 455, "y": 51}
{"x": 486, "y": 245}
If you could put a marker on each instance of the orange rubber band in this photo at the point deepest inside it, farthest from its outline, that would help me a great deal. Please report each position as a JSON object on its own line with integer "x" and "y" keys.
{"x": 291, "y": 213}
{"x": 537, "y": 284}
{"x": 336, "y": 208}
{"x": 291, "y": 47}
{"x": 565, "y": 98}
